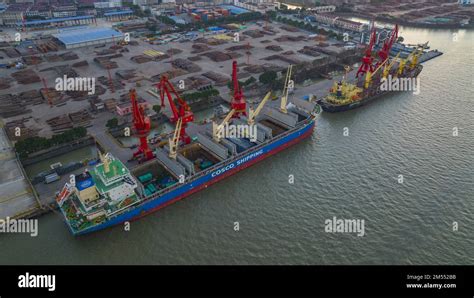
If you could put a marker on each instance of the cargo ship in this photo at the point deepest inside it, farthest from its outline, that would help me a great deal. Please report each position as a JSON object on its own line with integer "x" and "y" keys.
{"x": 349, "y": 94}
{"x": 193, "y": 159}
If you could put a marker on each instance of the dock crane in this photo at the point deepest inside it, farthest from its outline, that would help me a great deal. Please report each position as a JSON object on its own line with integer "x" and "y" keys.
{"x": 254, "y": 113}
{"x": 412, "y": 57}
{"x": 284, "y": 98}
{"x": 417, "y": 53}
{"x": 388, "y": 66}
{"x": 368, "y": 59}
{"x": 142, "y": 126}
{"x": 216, "y": 129}
{"x": 384, "y": 52}
{"x": 238, "y": 102}
{"x": 370, "y": 74}
{"x": 174, "y": 142}
{"x": 184, "y": 111}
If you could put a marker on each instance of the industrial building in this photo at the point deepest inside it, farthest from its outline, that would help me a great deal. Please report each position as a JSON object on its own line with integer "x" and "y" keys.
{"x": 76, "y": 38}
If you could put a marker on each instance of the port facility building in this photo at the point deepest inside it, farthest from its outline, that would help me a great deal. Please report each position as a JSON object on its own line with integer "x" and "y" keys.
{"x": 77, "y": 38}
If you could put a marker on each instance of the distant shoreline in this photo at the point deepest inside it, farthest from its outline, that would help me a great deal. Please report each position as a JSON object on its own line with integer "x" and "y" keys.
{"x": 403, "y": 22}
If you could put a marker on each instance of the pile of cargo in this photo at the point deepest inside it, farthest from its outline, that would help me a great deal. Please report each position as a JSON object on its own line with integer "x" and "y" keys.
{"x": 284, "y": 38}
{"x": 186, "y": 65}
{"x": 106, "y": 63}
{"x": 53, "y": 96}
{"x": 310, "y": 51}
{"x": 11, "y": 52}
{"x": 62, "y": 57}
{"x": 240, "y": 47}
{"x": 80, "y": 63}
{"x": 254, "y": 33}
{"x": 289, "y": 28}
{"x": 10, "y": 106}
{"x": 32, "y": 60}
{"x": 47, "y": 46}
{"x": 60, "y": 123}
{"x": 116, "y": 84}
{"x": 283, "y": 57}
{"x": 173, "y": 73}
{"x": 5, "y": 83}
{"x": 274, "y": 48}
{"x": 81, "y": 118}
{"x": 14, "y": 126}
{"x": 126, "y": 74}
{"x": 219, "y": 79}
{"x": 199, "y": 48}
{"x": 218, "y": 56}
{"x": 140, "y": 59}
{"x": 260, "y": 68}
{"x": 26, "y": 77}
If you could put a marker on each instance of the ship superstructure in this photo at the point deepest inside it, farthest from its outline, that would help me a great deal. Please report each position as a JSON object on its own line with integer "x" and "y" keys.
{"x": 97, "y": 194}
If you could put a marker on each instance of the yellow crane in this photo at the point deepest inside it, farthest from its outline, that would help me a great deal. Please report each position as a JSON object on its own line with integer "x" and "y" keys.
{"x": 416, "y": 54}
{"x": 401, "y": 66}
{"x": 369, "y": 75}
{"x": 174, "y": 142}
{"x": 216, "y": 129}
{"x": 388, "y": 67}
{"x": 105, "y": 161}
{"x": 412, "y": 57}
{"x": 253, "y": 114}
{"x": 284, "y": 98}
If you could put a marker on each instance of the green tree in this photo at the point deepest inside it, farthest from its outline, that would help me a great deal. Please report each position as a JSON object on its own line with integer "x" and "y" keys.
{"x": 267, "y": 77}
{"x": 112, "y": 123}
{"x": 157, "y": 108}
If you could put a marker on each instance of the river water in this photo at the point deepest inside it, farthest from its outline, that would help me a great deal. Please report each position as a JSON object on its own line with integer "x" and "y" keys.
{"x": 349, "y": 177}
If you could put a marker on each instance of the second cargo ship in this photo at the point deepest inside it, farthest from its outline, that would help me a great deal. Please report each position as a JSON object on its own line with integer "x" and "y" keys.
{"x": 350, "y": 94}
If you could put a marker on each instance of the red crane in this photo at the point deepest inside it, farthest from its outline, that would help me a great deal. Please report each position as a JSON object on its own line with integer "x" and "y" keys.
{"x": 238, "y": 102}
{"x": 142, "y": 125}
{"x": 387, "y": 45}
{"x": 368, "y": 59}
{"x": 183, "y": 111}
{"x": 46, "y": 90}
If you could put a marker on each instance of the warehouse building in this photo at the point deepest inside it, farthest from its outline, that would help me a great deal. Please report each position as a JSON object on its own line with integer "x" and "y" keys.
{"x": 84, "y": 37}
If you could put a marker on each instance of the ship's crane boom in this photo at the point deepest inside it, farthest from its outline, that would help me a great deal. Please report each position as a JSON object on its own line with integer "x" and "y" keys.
{"x": 216, "y": 129}
{"x": 388, "y": 67}
{"x": 174, "y": 142}
{"x": 384, "y": 52}
{"x": 284, "y": 98}
{"x": 254, "y": 113}
{"x": 369, "y": 75}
